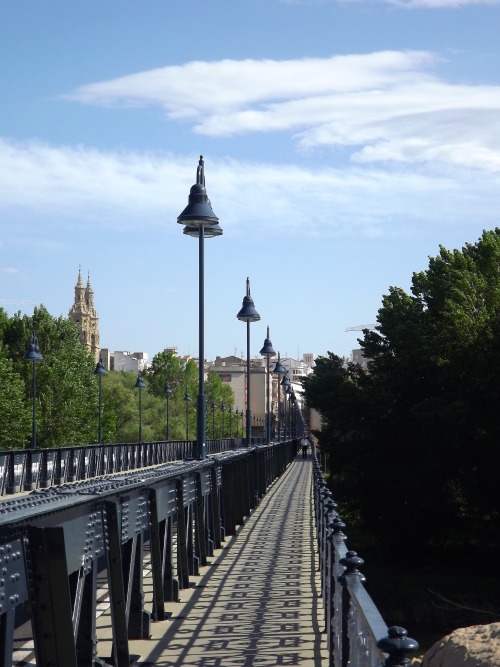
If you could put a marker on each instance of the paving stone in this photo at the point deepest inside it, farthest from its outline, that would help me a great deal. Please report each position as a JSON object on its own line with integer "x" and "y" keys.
{"x": 256, "y": 604}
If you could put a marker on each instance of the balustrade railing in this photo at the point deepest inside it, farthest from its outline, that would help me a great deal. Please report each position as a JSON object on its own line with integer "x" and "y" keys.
{"x": 356, "y": 632}
{"x": 28, "y": 469}
{"x": 68, "y": 550}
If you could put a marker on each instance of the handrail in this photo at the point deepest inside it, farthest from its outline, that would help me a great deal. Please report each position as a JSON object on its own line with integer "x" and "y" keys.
{"x": 55, "y": 542}
{"x": 29, "y": 469}
{"x": 356, "y": 631}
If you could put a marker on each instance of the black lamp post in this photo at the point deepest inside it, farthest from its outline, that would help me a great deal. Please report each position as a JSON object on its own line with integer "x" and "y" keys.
{"x": 279, "y": 370}
{"x": 201, "y": 222}
{"x": 167, "y": 392}
{"x": 268, "y": 352}
{"x": 33, "y": 354}
{"x": 213, "y": 406}
{"x": 248, "y": 314}
{"x": 237, "y": 415}
{"x": 223, "y": 410}
{"x": 230, "y": 422}
{"x": 285, "y": 383}
{"x": 187, "y": 398}
{"x": 293, "y": 400}
{"x": 139, "y": 384}
{"x": 100, "y": 371}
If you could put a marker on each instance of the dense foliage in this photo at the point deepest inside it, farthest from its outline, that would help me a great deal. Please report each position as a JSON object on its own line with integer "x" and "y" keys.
{"x": 67, "y": 391}
{"x": 413, "y": 442}
{"x": 66, "y": 394}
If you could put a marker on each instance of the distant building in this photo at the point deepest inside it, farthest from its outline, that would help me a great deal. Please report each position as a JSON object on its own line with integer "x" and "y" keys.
{"x": 233, "y": 370}
{"x": 359, "y": 358}
{"x": 129, "y": 361}
{"x": 83, "y": 313}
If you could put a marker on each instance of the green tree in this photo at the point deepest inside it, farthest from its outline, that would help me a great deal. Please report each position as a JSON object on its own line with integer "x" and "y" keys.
{"x": 181, "y": 375}
{"x": 66, "y": 387}
{"x": 15, "y": 413}
{"x": 414, "y": 441}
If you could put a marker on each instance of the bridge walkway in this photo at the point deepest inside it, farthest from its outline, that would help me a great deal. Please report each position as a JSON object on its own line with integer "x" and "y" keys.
{"x": 256, "y": 603}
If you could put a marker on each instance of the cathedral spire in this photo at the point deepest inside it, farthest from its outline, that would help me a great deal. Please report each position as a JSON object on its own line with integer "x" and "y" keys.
{"x": 83, "y": 314}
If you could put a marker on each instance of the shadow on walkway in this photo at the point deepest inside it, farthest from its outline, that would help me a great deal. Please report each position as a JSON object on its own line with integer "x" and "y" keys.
{"x": 257, "y": 602}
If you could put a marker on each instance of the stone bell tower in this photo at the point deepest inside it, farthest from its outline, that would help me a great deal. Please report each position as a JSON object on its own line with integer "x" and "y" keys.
{"x": 84, "y": 314}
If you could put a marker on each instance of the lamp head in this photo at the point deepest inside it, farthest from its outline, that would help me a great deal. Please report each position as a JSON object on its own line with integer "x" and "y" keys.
{"x": 139, "y": 383}
{"x": 167, "y": 391}
{"x": 199, "y": 210}
{"x": 248, "y": 313}
{"x": 285, "y": 382}
{"x": 99, "y": 369}
{"x": 33, "y": 351}
{"x": 279, "y": 369}
{"x": 267, "y": 350}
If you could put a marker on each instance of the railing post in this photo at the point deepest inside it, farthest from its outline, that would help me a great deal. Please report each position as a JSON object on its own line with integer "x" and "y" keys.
{"x": 331, "y": 602}
{"x": 43, "y": 477}
{"x": 350, "y": 562}
{"x": 70, "y": 462}
{"x": 57, "y": 468}
{"x": 397, "y": 644}
{"x": 156, "y": 559}
{"x": 28, "y": 471}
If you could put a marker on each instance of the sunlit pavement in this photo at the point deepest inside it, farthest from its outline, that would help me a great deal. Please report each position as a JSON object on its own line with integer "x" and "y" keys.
{"x": 257, "y": 601}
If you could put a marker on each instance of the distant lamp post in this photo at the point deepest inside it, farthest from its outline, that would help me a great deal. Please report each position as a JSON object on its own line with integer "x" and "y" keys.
{"x": 230, "y": 422}
{"x": 268, "y": 352}
{"x": 292, "y": 419}
{"x": 223, "y": 410}
{"x": 167, "y": 392}
{"x": 285, "y": 383}
{"x": 279, "y": 370}
{"x": 237, "y": 415}
{"x": 201, "y": 222}
{"x": 139, "y": 384}
{"x": 187, "y": 398}
{"x": 248, "y": 314}
{"x": 213, "y": 406}
{"x": 100, "y": 371}
{"x": 33, "y": 354}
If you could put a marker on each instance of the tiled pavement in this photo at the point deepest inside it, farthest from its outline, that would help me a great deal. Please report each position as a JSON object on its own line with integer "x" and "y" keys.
{"x": 257, "y": 601}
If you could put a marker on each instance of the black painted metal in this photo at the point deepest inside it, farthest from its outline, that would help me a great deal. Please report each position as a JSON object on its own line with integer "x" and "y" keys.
{"x": 356, "y": 632}
{"x": 56, "y": 542}
{"x": 42, "y": 468}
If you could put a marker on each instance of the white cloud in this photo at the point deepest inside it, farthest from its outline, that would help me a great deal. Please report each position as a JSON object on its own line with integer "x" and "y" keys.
{"x": 387, "y": 106}
{"x": 135, "y": 193}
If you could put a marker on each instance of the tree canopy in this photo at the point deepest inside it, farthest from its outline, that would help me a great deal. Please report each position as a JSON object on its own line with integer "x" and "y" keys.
{"x": 66, "y": 387}
{"x": 413, "y": 441}
{"x": 67, "y": 391}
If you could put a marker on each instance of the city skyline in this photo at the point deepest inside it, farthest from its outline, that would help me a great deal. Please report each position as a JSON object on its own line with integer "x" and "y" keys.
{"x": 344, "y": 142}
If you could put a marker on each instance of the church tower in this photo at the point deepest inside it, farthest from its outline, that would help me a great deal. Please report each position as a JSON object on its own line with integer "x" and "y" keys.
{"x": 84, "y": 314}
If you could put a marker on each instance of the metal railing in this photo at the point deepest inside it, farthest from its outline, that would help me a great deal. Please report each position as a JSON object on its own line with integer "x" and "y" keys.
{"x": 66, "y": 549}
{"x": 28, "y": 469}
{"x": 356, "y": 632}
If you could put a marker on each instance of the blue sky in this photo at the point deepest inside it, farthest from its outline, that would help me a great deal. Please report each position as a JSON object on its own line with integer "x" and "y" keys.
{"x": 344, "y": 141}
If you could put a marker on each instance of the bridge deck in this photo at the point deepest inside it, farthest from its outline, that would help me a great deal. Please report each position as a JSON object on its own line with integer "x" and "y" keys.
{"x": 256, "y": 602}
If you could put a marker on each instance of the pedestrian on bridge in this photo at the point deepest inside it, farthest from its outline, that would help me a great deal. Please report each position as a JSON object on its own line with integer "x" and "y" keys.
{"x": 304, "y": 443}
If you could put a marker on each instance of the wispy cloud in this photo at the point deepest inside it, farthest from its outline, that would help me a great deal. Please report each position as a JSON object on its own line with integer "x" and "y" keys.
{"x": 386, "y": 106}
{"x": 137, "y": 192}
